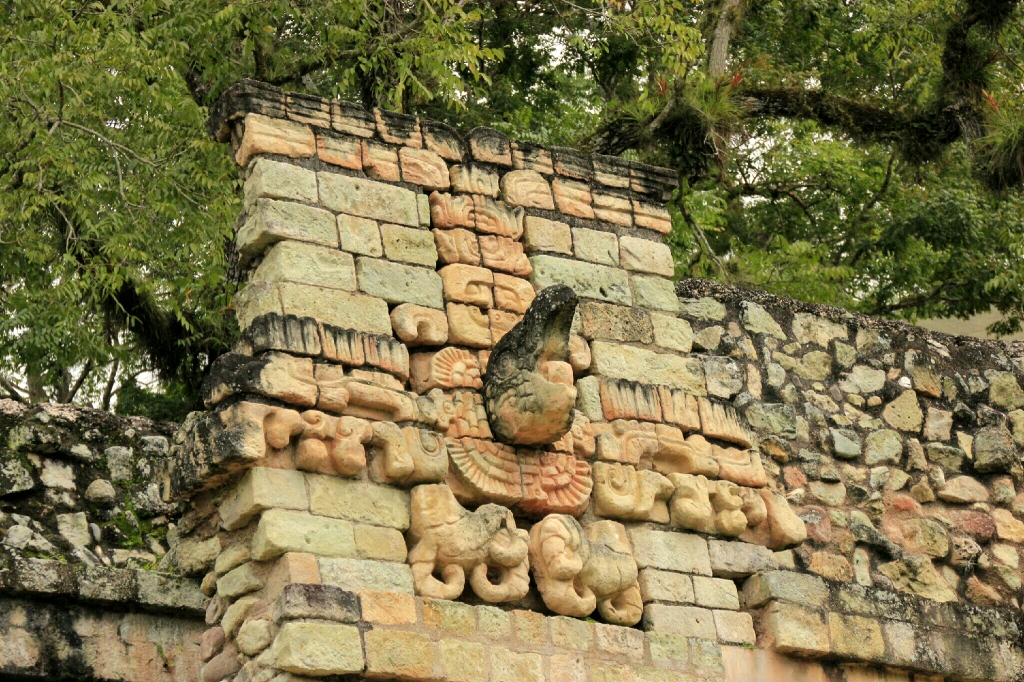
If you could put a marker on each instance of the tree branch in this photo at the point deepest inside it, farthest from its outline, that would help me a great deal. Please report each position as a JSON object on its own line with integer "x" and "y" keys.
{"x": 12, "y": 390}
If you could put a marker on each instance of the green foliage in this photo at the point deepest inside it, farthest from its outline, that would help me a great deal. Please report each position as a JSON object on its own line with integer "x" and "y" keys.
{"x": 863, "y": 154}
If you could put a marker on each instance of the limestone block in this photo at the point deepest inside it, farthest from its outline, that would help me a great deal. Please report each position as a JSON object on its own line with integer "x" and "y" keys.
{"x": 359, "y": 235}
{"x": 504, "y": 254}
{"x": 452, "y": 211}
{"x": 399, "y": 655}
{"x": 474, "y": 179}
{"x": 425, "y": 168}
{"x": 289, "y": 261}
{"x": 447, "y": 540}
{"x": 457, "y": 246}
{"x": 368, "y": 199}
{"x": 447, "y": 368}
{"x": 343, "y": 151}
{"x": 613, "y": 209}
{"x": 235, "y": 614}
{"x": 398, "y": 283}
{"x": 388, "y": 608}
{"x": 407, "y": 455}
{"x": 264, "y": 135}
{"x": 359, "y": 501}
{"x": 963, "y": 490}
{"x": 281, "y": 531}
{"x": 739, "y": 559}
{"x": 994, "y": 451}
{"x": 572, "y": 198}
{"x": 259, "y": 489}
{"x": 735, "y": 627}
{"x": 656, "y": 293}
{"x": 396, "y": 128}
{"x": 666, "y": 587}
{"x": 795, "y": 629}
{"x": 359, "y": 575}
{"x": 541, "y": 234}
{"x": 75, "y": 529}
{"x": 596, "y": 246}
{"x": 317, "y": 649}
{"x": 756, "y": 320}
{"x": 381, "y": 544}
{"x": 272, "y": 221}
{"x": 588, "y": 280}
{"x": 688, "y": 621}
{"x": 672, "y": 333}
{"x": 644, "y": 255}
{"x": 605, "y": 580}
{"x": 790, "y": 586}
{"x": 883, "y": 447}
{"x": 443, "y": 139}
{"x": 716, "y": 593}
{"x": 380, "y": 161}
{"x": 668, "y": 551}
{"x": 512, "y": 294}
{"x": 255, "y": 635}
{"x": 408, "y": 245}
{"x": 419, "y": 326}
{"x": 644, "y": 366}
{"x": 703, "y": 309}
{"x": 528, "y": 189}
{"x": 1004, "y": 391}
{"x": 275, "y": 180}
{"x": 652, "y": 216}
{"x": 494, "y": 217}
{"x": 238, "y": 581}
{"x": 808, "y": 328}
{"x": 339, "y": 308}
{"x": 468, "y": 284}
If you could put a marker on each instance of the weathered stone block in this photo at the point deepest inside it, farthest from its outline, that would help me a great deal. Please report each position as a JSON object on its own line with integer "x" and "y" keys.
{"x": 261, "y": 488}
{"x": 645, "y": 255}
{"x": 368, "y": 199}
{"x": 468, "y": 284}
{"x": 856, "y": 637}
{"x": 596, "y": 246}
{"x": 716, "y": 593}
{"x": 757, "y": 320}
{"x": 318, "y": 649}
{"x": 526, "y": 188}
{"x": 238, "y": 581}
{"x": 359, "y": 235}
{"x": 735, "y": 627}
{"x": 264, "y": 135}
{"x": 320, "y": 602}
{"x": 359, "y": 501}
{"x": 419, "y": 326}
{"x": 343, "y": 151}
{"x": 468, "y": 326}
{"x": 647, "y": 367}
{"x": 272, "y": 221}
{"x": 289, "y": 261}
{"x": 795, "y": 629}
{"x": 425, "y": 168}
{"x": 800, "y": 588}
{"x": 586, "y": 279}
{"x": 689, "y": 621}
{"x": 678, "y": 552}
{"x": 409, "y": 245}
{"x": 381, "y": 544}
{"x": 399, "y": 283}
{"x": 462, "y": 661}
{"x": 739, "y": 559}
{"x": 388, "y": 608}
{"x": 672, "y": 333}
{"x": 656, "y": 293}
{"x": 281, "y": 531}
{"x": 339, "y": 308}
{"x": 665, "y": 586}
{"x": 275, "y": 180}
{"x": 358, "y": 575}
{"x": 541, "y": 234}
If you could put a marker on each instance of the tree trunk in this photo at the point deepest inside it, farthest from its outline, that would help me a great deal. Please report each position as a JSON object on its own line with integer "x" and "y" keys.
{"x": 719, "y": 52}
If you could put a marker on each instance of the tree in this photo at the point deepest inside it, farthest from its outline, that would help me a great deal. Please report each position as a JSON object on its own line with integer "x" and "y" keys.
{"x": 868, "y": 154}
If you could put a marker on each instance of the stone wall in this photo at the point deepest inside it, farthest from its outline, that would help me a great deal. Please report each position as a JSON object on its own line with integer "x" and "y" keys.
{"x": 473, "y": 431}
{"x": 85, "y": 587}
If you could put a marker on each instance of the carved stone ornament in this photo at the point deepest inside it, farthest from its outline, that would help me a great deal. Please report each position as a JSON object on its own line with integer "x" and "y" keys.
{"x": 577, "y": 571}
{"x": 622, "y": 492}
{"x": 758, "y": 516}
{"x": 528, "y": 386}
{"x": 448, "y": 542}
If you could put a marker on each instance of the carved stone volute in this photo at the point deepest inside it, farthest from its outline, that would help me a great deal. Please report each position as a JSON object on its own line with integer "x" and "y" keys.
{"x": 528, "y": 387}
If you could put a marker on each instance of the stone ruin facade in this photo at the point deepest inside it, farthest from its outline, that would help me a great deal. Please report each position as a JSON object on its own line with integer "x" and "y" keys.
{"x": 474, "y": 432}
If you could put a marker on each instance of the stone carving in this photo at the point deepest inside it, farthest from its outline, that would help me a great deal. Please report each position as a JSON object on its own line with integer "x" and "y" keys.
{"x": 484, "y": 471}
{"x": 355, "y": 349}
{"x": 494, "y": 217}
{"x": 273, "y": 375}
{"x": 627, "y": 442}
{"x": 502, "y": 253}
{"x": 327, "y": 444}
{"x": 724, "y": 508}
{"x": 512, "y": 294}
{"x": 448, "y": 542}
{"x": 447, "y": 368}
{"x": 457, "y": 246}
{"x": 528, "y": 387}
{"x": 527, "y": 188}
{"x": 554, "y": 483}
{"x": 694, "y": 455}
{"x": 577, "y": 571}
{"x": 743, "y": 467}
{"x": 679, "y": 408}
{"x": 419, "y": 326}
{"x": 501, "y": 323}
{"x": 351, "y": 396}
{"x": 721, "y": 422}
{"x": 461, "y": 414}
{"x": 451, "y": 211}
{"x": 408, "y": 456}
{"x": 467, "y": 284}
{"x": 580, "y": 440}
{"x": 621, "y": 399}
{"x": 622, "y": 492}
